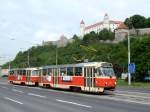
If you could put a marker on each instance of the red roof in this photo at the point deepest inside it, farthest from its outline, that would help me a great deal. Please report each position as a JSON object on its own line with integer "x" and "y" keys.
{"x": 116, "y": 22}
{"x": 99, "y": 23}
{"x": 122, "y": 26}
{"x": 94, "y": 25}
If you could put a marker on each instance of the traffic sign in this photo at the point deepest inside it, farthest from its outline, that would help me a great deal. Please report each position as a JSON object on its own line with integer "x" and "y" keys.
{"x": 131, "y": 68}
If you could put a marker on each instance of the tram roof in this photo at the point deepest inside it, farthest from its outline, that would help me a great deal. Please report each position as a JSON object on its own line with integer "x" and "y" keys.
{"x": 90, "y": 64}
{"x": 24, "y": 69}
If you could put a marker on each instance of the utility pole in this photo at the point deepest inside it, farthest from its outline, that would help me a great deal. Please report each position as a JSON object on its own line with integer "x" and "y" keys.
{"x": 28, "y": 59}
{"x": 129, "y": 74}
{"x": 56, "y": 55}
{"x": 9, "y": 65}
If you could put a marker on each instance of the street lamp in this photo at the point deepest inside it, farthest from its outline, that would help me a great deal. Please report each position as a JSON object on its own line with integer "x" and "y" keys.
{"x": 129, "y": 74}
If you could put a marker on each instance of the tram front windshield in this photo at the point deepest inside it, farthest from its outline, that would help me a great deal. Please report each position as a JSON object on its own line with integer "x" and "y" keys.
{"x": 105, "y": 71}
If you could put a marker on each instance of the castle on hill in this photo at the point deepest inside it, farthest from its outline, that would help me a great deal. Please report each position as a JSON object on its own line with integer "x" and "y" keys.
{"x": 105, "y": 24}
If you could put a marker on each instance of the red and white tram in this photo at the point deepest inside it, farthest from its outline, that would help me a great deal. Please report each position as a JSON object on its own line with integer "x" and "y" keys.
{"x": 90, "y": 77}
{"x": 24, "y": 76}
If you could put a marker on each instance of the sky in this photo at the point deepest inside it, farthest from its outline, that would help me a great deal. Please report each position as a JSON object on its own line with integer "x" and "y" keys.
{"x": 26, "y": 23}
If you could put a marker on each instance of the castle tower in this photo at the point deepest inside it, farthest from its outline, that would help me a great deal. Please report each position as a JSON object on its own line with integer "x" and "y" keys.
{"x": 106, "y": 21}
{"x": 82, "y": 28}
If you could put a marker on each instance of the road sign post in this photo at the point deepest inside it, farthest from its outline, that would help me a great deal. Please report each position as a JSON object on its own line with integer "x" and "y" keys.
{"x": 131, "y": 68}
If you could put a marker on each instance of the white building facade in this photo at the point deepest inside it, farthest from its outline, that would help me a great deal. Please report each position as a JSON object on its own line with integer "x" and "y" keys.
{"x": 97, "y": 27}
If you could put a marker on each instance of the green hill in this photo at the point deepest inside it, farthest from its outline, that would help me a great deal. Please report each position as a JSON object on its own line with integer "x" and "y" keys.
{"x": 92, "y": 49}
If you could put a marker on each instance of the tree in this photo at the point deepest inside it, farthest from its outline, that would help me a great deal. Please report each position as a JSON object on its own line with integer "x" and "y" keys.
{"x": 92, "y": 37}
{"x": 136, "y": 21}
{"x": 106, "y": 35}
{"x": 75, "y": 37}
{"x": 140, "y": 56}
{"x": 128, "y": 23}
{"x": 148, "y": 22}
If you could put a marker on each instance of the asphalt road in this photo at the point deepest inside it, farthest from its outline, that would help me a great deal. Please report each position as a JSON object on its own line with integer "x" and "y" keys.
{"x": 15, "y": 98}
{"x": 133, "y": 89}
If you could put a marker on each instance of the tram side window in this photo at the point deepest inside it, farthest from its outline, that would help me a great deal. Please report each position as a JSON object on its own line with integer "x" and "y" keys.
{"x": 70, "y": 71}
{"x": 19, "y": 72}
{"x": 35, "y": 73}
{"x": 49, "y": 71}
{"x": 24, "y": 72}
{"x": 44, "y": 72}
{"x": 11, "y": 72}
{"x": 15, "y": 72}
{"x": 63, "y": 72}
{"x": 40, "y": 72}
{"x": 78, "y": 71}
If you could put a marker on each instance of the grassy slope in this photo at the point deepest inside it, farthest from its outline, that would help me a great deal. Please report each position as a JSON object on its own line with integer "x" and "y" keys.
{"x": 123, "y": 83}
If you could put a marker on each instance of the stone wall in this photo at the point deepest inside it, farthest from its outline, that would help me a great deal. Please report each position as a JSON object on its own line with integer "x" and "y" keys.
{"x": 121, "y": 34}
{"x": 62, "y": 42}
{"x": 138, "y": 32}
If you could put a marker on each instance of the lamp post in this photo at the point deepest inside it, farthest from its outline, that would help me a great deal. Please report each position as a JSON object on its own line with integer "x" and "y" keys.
{"x": 129, "y": 74}
{"x": 56, "y": 55}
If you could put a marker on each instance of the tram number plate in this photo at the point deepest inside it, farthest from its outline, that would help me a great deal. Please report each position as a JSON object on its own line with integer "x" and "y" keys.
{"x": 66, "y": 78}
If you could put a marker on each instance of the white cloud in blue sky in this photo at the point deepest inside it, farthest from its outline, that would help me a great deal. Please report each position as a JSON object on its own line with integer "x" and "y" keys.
{"x": 37, "y": 20}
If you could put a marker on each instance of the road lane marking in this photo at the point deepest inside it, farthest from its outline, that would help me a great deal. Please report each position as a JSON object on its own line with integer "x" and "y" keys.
{"x": 78, "y": 104}
{"x": 126, "y": 100}
{"x": 134, "y": 96}
{"x": 27, "y": 87}
{"x": 4, "y": 87}
{"x": 118, "y": 91}
{"x": 13, "y": 100}
{"x": 32, "y": 94}
{"x": 101, "y": 97}
{"x": 15, "y": 90}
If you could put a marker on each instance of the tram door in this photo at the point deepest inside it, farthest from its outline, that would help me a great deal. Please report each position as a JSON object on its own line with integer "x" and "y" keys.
{"x": 56, "y": 76}
{"x": 89, "y": 77}
{"x": 28, "y": 74}
{"x": 41, "y": 76}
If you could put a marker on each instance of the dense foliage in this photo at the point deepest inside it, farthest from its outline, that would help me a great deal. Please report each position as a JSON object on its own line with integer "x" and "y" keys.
{"x": 102, "y": 35}
{"x": 140, "y": 55}
{"x": 137, "y": 21}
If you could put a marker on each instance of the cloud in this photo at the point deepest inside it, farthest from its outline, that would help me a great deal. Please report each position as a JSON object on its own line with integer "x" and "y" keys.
{"x": 38, "y": 20}
{"x": 44, "y": 35}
